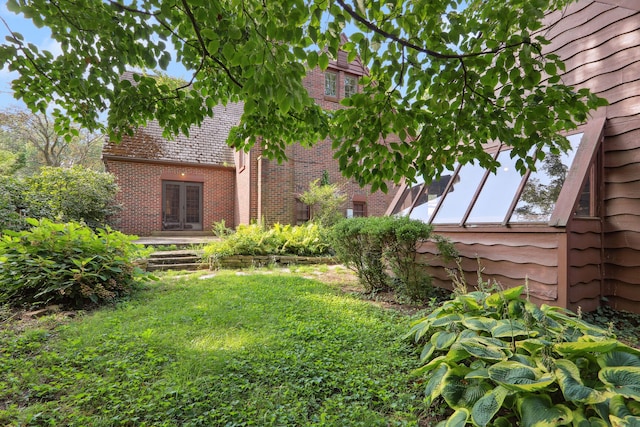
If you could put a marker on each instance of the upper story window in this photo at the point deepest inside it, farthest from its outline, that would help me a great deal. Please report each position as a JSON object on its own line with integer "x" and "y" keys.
{"x": 350, "y": 85}
{"x": 330, "y": 84}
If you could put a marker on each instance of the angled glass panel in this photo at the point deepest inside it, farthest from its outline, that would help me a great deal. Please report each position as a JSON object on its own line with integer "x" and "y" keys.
{"x": 409, "y": 194}
{"x": 457, "y": 200}
{"x": 540, "y": 193}
{"x": 426, "y": 205}
{"x": 498, "y": 192}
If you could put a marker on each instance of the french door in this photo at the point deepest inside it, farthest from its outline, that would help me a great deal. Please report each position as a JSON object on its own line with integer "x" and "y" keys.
{"x": 181, "y": 205}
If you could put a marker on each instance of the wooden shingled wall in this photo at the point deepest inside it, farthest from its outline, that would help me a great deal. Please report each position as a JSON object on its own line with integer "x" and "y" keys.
{"x": 599, "y": 40}
{"x": 600, "y": 44}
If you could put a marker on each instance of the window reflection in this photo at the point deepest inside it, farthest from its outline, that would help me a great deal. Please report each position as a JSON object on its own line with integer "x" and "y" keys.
{"x": 498, "y": 192}
{"x": 541, "y": 191}
{"x": 459, "y": 196}
{"x": 428, "y": 201}
{"x": 409, "y": 195}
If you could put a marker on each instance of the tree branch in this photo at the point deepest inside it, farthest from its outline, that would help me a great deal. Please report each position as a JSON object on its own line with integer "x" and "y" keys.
{"x": 203, "y": 45}
{"x": 403, "y": 42}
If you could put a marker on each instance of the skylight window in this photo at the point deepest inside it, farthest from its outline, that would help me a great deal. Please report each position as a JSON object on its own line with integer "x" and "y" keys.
{"x": 563, "y": 185}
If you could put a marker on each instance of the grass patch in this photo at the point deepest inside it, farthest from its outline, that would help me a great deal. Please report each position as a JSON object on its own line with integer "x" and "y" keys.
{"x": 229, "y": 350}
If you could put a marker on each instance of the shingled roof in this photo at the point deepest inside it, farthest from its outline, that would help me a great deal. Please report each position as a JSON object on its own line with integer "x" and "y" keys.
{"x": 206, "y": 144}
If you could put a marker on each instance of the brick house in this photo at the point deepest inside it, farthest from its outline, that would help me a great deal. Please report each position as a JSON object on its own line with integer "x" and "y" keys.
{"x": 189, "y": 183}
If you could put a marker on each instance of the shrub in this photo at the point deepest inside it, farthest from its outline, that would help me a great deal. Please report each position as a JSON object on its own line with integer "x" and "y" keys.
{"x": 67, "y": 264}
{"x": 59, "y": 194}
{"x": 497, "y": 359}
{"x": 325, "y": 200}
{"x": 76, "y": 194}
{"x": 371, "y": 245}
{"x": 256, "y": 239}
{"x": 358, "y": 244}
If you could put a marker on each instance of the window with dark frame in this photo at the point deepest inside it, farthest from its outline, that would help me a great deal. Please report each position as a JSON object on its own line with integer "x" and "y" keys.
{"x": 359, "y": 209}
{"x": 303, "y": 212}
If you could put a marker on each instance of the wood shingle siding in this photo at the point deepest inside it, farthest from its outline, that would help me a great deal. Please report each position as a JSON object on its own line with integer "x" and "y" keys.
{"x": 577, "y": 263}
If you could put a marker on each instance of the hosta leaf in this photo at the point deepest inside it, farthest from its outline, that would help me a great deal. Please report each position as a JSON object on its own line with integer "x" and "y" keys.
{"x": 618, "y": 358}
{"x": 457, "y": 419}
{"x": 478, "y": 373}
{"x": 618, "y": 407}
{"x": 472, "y": 300}
{"x": 634, "y": 407}
{"x": 427, "y": 351}
{"x": 488, "y": 405}
{"x": 498, "y": 298}
{"x": 446, "y": 320}
{"x": 511, "y": 328}
{"x": 539, "y": 411}
{"x": 580, "y": 420}
{"x": 460, "y": 392}
{"x": 517, "y": 376}
{"x": 483, "y": 350}
{"x": 434, "y": 386}
{"x": 573, "y": 389}
{"x": 581, "y": 347}
{"x": 624, "y": 379}
{"x": 532, "y": 345}
{"x": 624, "y": 422}
{"x": 480, "y": 323}
{"x": 442, "y": 339}
{"x": 433, "y": 364}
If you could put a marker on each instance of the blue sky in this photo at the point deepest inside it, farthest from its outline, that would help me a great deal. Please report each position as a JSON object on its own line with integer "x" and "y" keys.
{"x": 39, "y": 37}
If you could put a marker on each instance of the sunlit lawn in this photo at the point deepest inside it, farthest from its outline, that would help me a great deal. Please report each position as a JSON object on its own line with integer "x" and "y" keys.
{"x": 259, "y": 349}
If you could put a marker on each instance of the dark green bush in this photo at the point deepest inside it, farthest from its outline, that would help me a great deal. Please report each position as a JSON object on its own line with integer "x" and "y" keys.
{"x": 497, "y": 359}
{"x": 68, "y": 264}
{"x": 59, "y": 194}
{"x": 371, "y": 246}
{"x": 359, "y": 244}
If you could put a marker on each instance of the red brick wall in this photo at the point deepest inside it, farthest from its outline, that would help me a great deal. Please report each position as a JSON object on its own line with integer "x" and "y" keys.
{"x": 141, "y": 193}
{"x": 282, "y": 183}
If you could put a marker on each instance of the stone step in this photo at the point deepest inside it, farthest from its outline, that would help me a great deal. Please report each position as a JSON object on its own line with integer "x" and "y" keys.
{"x": 176, "y": 260}
{"x": 187, "y": 266}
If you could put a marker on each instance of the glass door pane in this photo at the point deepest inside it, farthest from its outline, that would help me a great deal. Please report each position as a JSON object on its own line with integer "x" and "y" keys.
{"x": 193, "y": 208}
{"x": 171, "y": 206}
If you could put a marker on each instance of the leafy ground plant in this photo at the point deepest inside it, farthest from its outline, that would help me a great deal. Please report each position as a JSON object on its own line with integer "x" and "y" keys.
{"x": 497, "y": 359}
{"x": 68, "y": 264}
{"x": 260, "y": 349}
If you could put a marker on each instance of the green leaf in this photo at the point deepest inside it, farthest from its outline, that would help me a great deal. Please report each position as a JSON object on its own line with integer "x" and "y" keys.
{"x": 460, "y": 392}
{"x": 582, "y": 347}
{"x": 501, "y": 297}
{"x": 442, "y": 340}
{"x": 618, "y": 358}
{"x": 625, "y": 380}
{"x": 478, "y": 323}
{"x": 573, "y": 389}
{"x": 323, "y": 61}
{"x": 434, "y": 386}
{"x": 519, "y": 377}
{"x": 458, "y": 418}
{"x": 510, "y": 328}
{"x": 539, "y": 411}
{"x": 488, "y": 406}
{"x": 482, "y": 349}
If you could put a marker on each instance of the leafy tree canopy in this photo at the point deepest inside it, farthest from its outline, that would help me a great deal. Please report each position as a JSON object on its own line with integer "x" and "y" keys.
{"x": 445, "y": 76}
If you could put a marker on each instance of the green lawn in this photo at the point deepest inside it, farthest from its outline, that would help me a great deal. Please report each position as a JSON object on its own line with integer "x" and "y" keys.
{"x": 259, "y": 349}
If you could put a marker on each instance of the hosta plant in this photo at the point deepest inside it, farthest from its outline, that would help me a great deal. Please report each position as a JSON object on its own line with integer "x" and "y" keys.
{"x": 497, "y": 359}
